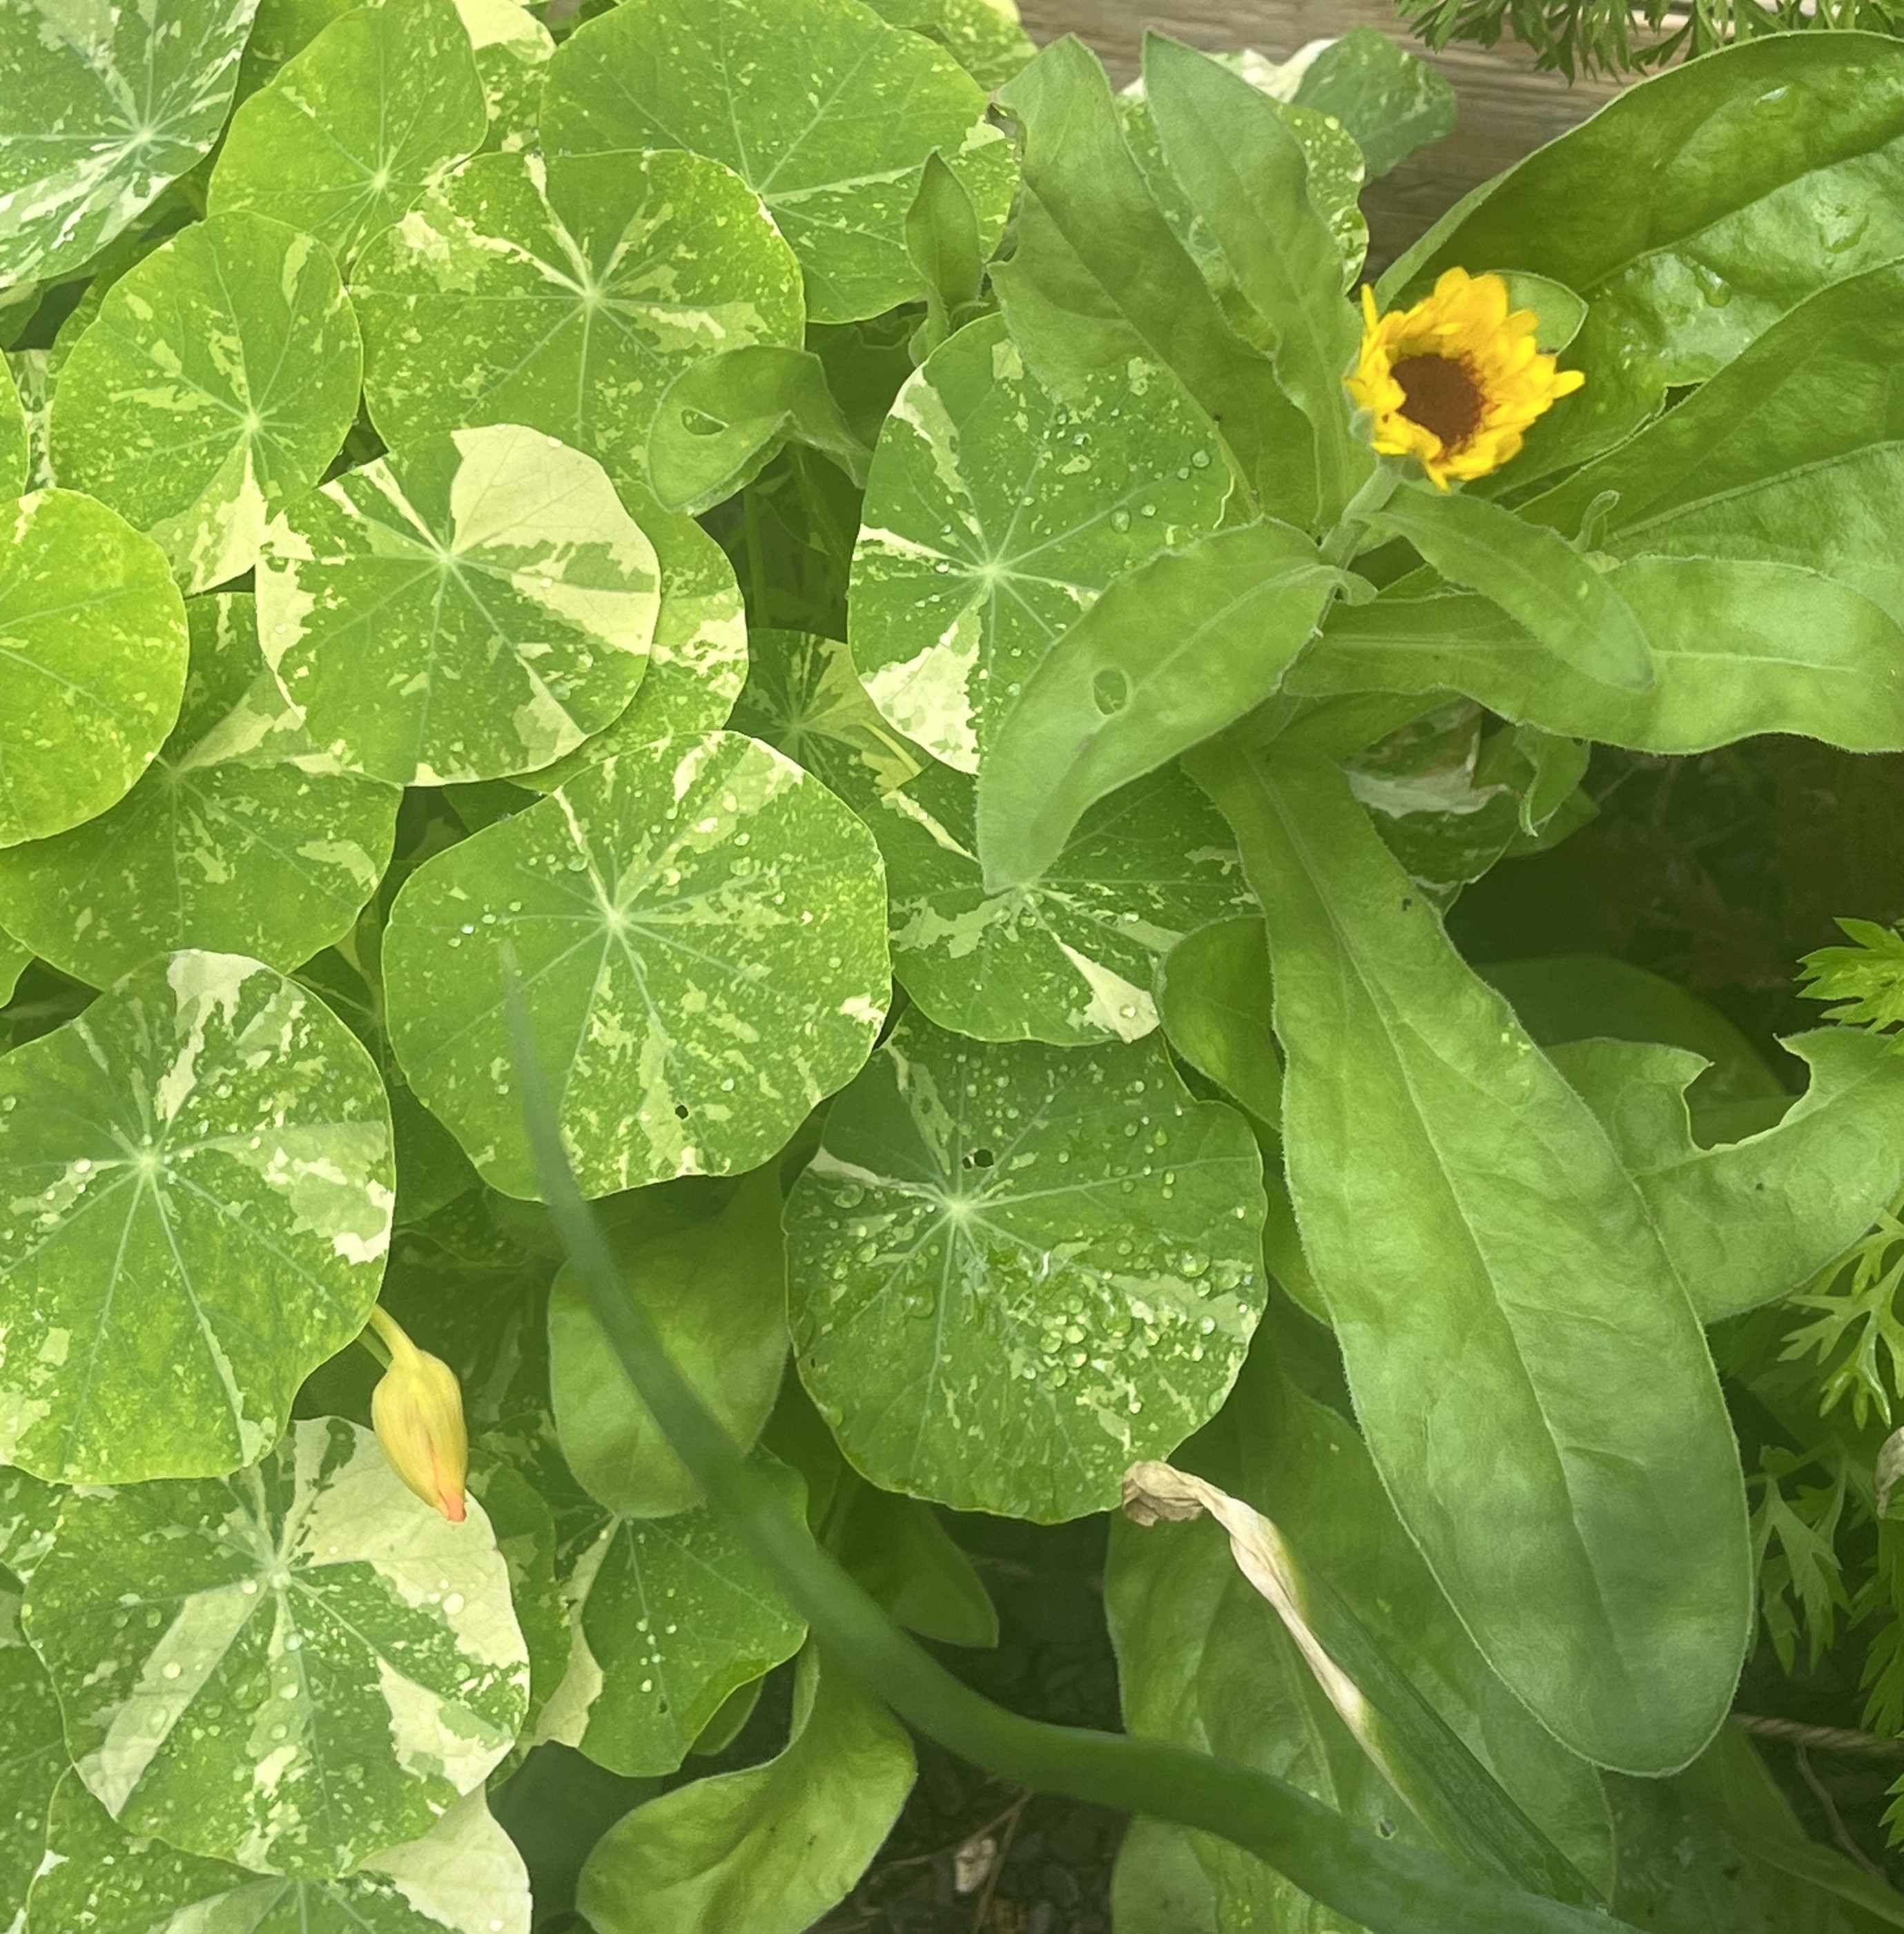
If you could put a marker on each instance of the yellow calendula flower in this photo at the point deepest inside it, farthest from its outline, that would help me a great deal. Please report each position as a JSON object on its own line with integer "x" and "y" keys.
{"x": 417, "y": 1410}
{"x": 1457, "y": 380}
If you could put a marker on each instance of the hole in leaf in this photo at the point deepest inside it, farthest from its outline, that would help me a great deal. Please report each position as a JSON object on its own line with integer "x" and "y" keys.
{"x": 1110, "y": 690}
{"x": 698, "y": 422}
{"x": 680, "y": 1111}
{"x": 979, "y": 1157}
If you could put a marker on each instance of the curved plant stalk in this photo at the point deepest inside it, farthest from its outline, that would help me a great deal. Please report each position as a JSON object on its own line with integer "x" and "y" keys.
{"x": 1386, "y": 1887}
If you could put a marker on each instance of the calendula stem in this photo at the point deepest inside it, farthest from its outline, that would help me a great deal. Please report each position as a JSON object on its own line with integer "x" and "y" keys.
{"x": 1342, "y": 543}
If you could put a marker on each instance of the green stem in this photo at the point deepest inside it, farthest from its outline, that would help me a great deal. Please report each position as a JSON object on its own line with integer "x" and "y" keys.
{"x": 1342, "y": 542}
{"x": 1387, "y": 1887}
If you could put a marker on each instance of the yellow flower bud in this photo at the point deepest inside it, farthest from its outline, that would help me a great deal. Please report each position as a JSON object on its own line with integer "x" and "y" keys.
{"x": 417, "y": 1410}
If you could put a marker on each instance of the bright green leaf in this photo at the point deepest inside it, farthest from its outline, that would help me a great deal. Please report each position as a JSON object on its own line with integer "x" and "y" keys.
{"x": 997, "y": 513}
{"x": 15, "y": 456}
{"x": 105, "y": 106}
{"x": 242, "y": 837}
{"x": 463, "y": 1877}
{"x": 1056, "y": 1257}
{"x": 29, "y": 1508}
{"x": 317, "y": 1615}
{"x": 469, "y": 605}
{"x": 1172, "y": 653}
{"x": 1391, "y": 102}
{"x": 13, "y": 959}
{"x": 1748, "y": 1221}
{"x": 983, "y": 36}
{"x": 1159, "y": 1885}
{"x": 828, "y": 117}
{"x": 717, "y": 1291}
{"x": 1540, "y": 1403}
{"x": 524, "y": 1524}
{"x": 1098, "y": 277}
{"x": 664, "y": 911}
{"x": 219, "y": 379}
{"x": 198, "y": 1177}
{"x": 32, "y": 1758}
{"x": 942, "y": 237}
{"x": 770, "y": 1850}
{"x": 355, "y": 129}
{"x": 512, "y": 52}
{"x": 94, "y": 663}
{"x": 1213, "y": 996}
{"x": 567, "y": 296}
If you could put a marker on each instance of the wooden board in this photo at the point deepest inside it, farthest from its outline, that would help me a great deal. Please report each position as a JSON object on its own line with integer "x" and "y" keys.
{"x": 1508, "y": 108}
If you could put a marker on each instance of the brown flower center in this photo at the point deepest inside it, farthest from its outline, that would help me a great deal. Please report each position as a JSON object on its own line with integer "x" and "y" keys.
{"x": 1440, "y": 393}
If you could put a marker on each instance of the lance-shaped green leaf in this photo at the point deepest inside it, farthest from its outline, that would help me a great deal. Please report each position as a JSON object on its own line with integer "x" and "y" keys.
{"x": 943, "y": 239}
{"x": 1568, "y": 607}
{"x": 32, "y": 1757}
{"x": 899, "y": 1549}
{"x": 1391, "y": 102}
{"x": 1748, "y": 1221}
{"x": 15, "y": 455}
{"x": 105, "y": 107}
{"x": 198, "y": 1185}
{"x": 702, "y": 930}
{"x": 1172, "y": 653}
{"x": 1749, "y": 181}
{"x": 717, "y": 1290}
{"x": 724, "y": 419}
{"x": 1214, "y": 998}
{"x": 772, "y": 1849}
{"x": 1739, "y": 648}
{"x": 1098, "y": 276}
{"x": 983, "y": 36}
{"x": 828, "y": 117}
{"x": 670, "y": 1618}
{"x": 242, "y": 838}
{"x": 356, "y": 128}
{"x": 1528, "y": 1370}
{"x": 567, "y": 295}
{"x": 221, "y": 1647}
{"x": 93, "y": 665}
{"x": 1056, "y": 1255}
{"x": 997, "y": 512}
{"x": 463, "y": 1877}
{"x": 470, "y": 605}
{"x": 1246, "y": 177}
{"x": 220, "y": 378}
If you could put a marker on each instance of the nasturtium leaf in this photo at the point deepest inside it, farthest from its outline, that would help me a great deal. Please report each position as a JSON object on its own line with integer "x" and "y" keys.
{"x": 1745, "y": 1221}
{"x": 995, "y": 514}
{"x": 716, "y": 1290}
{"x": 463, "y": 1877}
{"x": 472, "y": 605}
{"x": 28, "y": 1508}
{"x": 1055, "y": 1256}
{"x": 1159, "y": 1885}
{"x": 984, "y": 37}
{"x": 1213, "y": 997}
{"x": 524, "y": 1527}
{"x": 241, "y": 838}
{"x": 567, "y": 295}
{"x": 32, "y": 1757}
{"x": 95, "y": 662}
{"x": 1529, "y": 1374}
{"x": 104, "y": 107}
{"x": 354, "y": 130}
{"x": 223, "y": 1648}
{"x": 220, "y": 377}
{"x": 697, "y": 663}
{"x": 670, "y": 1618}
{"x": 700, "y": 929}
{"x": 1388, "y": 101}
{"x": 198, "y": 1185}
{"x": 898, "y": 1548}
{"x": 13, "y": 958}
{"x": 15, "y": 455}
{"x": 1173, "y": 653}
{"x": 1749, "y": 181}
{"x": 513, "y": 50}
{"x": 284, "y": 28}
{"x": 828, "y": 114}
{"x": 772, "y": 1849}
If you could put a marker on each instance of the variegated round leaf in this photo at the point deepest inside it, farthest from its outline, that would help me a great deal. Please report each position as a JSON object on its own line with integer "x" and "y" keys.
{"x": 220, "y": 377}
{"x": 289, "y": 1669}
{"x": 242, "y": 837}
{"x": 94, "y": 660}
{"x": 463, "y": 1877}
{"x": 355, "y": 127}
{"x": 512, "y": 52}
{"x": 15, "y": 455}
{"x": 197, "y": 1185}
{"x": 700, "y": 931}
{"x": 1055, "y": 1256}
{"x": 101, "y": 107}
{"x": 32, "y": 1757}
{"x": 829, "y": 116}
{"x": 470, "y": 605}
{"x": 995, "y": 515}
{"x": 567, "y": 295}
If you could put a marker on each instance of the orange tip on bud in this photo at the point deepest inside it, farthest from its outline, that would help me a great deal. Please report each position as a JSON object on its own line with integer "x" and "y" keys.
{"x": 416, "y": 1409}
